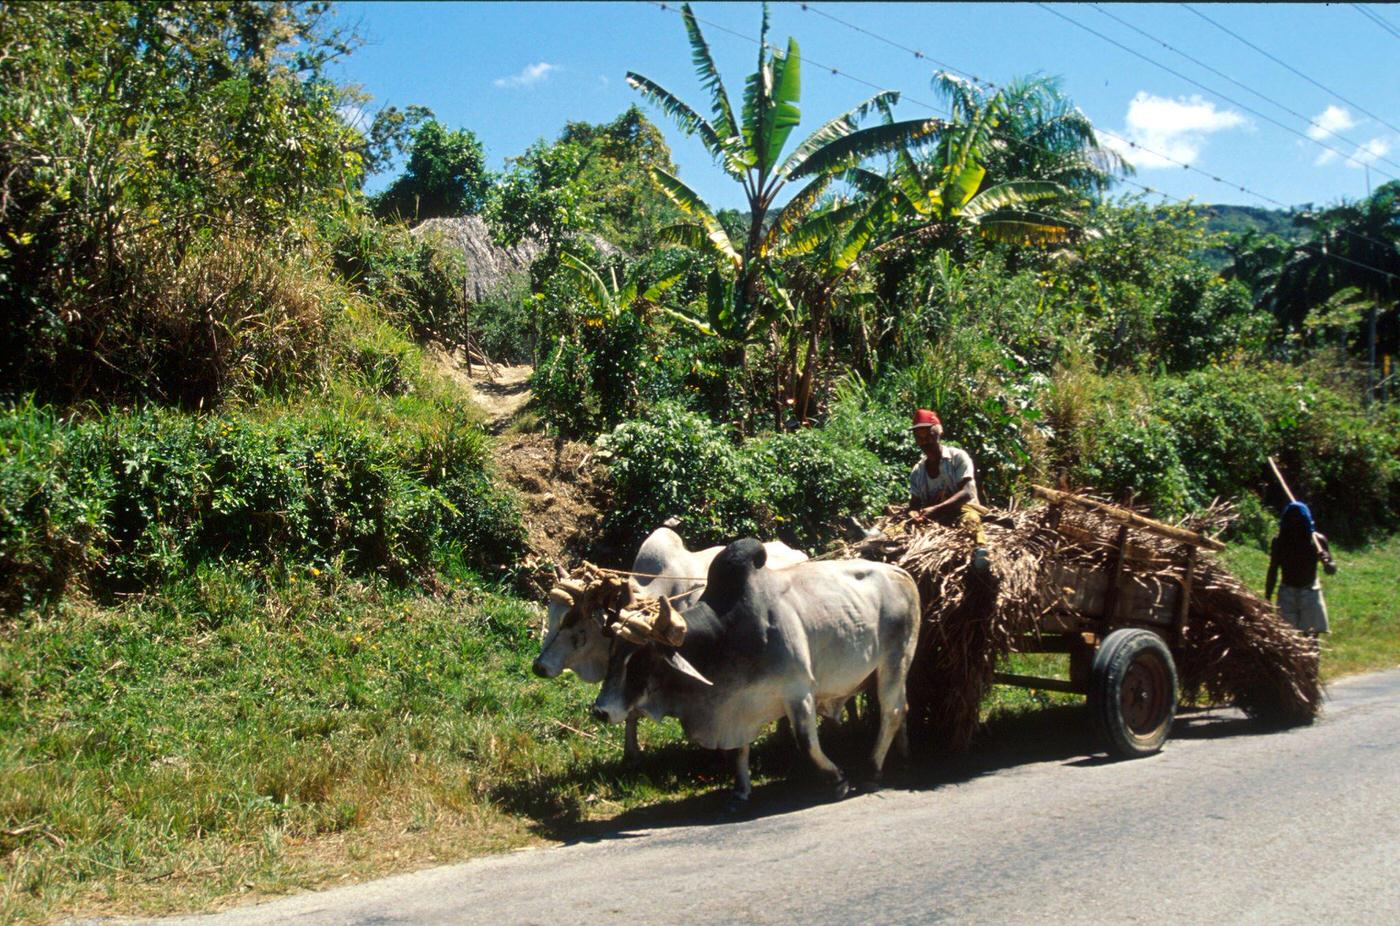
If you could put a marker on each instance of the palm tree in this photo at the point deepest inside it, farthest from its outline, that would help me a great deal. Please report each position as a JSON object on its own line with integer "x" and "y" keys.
{"x": 949, "y": 191}
{"x": 748, "y": 145}
{"x": 1040, "y": 134}
{"x": 1354, "y": 245}
{"x": 608, "y": 299}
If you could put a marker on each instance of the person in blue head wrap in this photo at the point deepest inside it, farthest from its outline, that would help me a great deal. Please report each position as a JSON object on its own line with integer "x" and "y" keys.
{"x": 1294, "y": 556}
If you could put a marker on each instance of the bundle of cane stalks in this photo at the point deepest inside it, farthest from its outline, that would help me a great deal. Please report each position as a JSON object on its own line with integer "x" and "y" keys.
{"x": 1235, "y": 650}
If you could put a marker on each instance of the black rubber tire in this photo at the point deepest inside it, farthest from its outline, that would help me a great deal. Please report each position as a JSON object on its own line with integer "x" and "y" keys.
{"x": 1132, "y": 693}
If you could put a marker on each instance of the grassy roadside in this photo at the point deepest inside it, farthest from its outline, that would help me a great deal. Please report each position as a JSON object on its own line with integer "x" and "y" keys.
{"x": 234, "y": 736}
{"x": 227, "y": 736}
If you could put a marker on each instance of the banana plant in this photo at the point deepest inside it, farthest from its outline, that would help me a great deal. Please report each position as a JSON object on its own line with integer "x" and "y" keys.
{"x": 947, "y": 189}
{"x": 609, "y": 298}
{"x": 749, "y": 146}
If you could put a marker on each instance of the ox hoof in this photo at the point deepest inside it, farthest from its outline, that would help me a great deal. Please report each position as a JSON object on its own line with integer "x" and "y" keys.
{"x": 840, "y": 789}
{"x": 737, "y": 805}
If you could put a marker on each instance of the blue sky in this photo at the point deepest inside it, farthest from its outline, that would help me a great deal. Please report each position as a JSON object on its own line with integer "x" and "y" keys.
{"x": 516, "y": 72}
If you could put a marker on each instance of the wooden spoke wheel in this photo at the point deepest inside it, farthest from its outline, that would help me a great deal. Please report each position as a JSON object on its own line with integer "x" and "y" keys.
{"x": 1132, "y": 692}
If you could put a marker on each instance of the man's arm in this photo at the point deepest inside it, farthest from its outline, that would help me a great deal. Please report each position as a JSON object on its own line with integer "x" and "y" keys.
{"x": 1324, "y": 550}
{"x": 961, "y": 495}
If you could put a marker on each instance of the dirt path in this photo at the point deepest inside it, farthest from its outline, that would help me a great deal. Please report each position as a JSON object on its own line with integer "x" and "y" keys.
{"x": 500, "y": 396}
{"x": 560, "y": 487}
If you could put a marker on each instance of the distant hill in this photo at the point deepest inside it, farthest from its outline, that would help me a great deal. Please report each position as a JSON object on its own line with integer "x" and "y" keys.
{"x": 1240, "y": 219}
{"x": 1236, "y": 220}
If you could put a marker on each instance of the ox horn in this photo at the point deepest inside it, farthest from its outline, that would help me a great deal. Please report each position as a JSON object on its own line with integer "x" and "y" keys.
{"x": 561, "y": 596}
{"x": 669, "y": 627}
{"x": 678, "y": 662}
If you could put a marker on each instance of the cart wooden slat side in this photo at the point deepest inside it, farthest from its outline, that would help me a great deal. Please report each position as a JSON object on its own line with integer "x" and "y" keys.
{"x": 1121, "y": 626}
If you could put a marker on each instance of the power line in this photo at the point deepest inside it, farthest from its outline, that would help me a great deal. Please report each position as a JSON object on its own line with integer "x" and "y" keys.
{"x": 1102, "y": 131}
{"x": 665, "y": 7}
{"x": 1375, "y": 18}
{"x": 893, "y": 44}
{"x": 1289, "y": 67}
{"x": 1198, "y": 62}
{"x": 1173, "y": 71}
{"x": 1129, "y": 142}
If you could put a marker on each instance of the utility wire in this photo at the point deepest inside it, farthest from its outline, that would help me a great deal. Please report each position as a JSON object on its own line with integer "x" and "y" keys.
{"x": 666, "y": 7}
{"x": 1106, "y": 132}
{"x": 1199, "y": 63}
{"x": 893, "y": 44}
{"x": 1173, "y": 71}
{"x": 1375, "y": 18}
{"x": 1289, "y": 67}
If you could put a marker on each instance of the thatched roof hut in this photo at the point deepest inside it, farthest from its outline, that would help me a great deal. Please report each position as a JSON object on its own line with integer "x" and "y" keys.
{"x": 489, "y": 266}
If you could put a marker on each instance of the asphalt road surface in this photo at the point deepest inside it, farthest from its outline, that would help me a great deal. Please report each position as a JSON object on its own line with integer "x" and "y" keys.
{"x": 1229, "y": 824}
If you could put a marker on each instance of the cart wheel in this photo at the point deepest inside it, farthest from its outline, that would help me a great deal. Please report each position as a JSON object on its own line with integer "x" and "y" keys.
{"x": 1132, "y": 692}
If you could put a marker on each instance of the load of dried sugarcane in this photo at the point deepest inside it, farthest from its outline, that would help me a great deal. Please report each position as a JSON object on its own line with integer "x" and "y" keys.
{"x": 1234, "y": 649}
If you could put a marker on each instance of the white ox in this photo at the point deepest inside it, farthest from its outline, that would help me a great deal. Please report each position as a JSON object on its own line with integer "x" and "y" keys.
{"x": 762, "y": 644}
{"x": 665, "y": 569}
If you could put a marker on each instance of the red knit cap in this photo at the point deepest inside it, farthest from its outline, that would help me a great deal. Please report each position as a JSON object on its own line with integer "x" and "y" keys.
{"x": 923, "y": 418}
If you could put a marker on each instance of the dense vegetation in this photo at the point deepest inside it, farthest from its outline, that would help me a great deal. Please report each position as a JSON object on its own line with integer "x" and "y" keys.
{"x": 238, "y": 505}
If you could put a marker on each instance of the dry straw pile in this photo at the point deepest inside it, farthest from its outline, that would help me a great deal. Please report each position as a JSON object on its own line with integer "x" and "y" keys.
{"x": 1235, "y": 650}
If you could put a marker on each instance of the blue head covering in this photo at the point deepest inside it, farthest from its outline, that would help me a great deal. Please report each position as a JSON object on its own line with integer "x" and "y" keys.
{"x": 1303, "y": 513}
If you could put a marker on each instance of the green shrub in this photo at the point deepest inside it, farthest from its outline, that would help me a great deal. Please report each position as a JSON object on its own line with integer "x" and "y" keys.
{"x": 162, "y": 165}
{"x": 50, "y": 516}
{"x": 1222, "y": 434}
{"x": 502, "y": 321}
{"x": 1135, "y": 460}
{"x": 676, "y": 463}
{"x": 805, "y": 483}
{"x": 131, "y": 498}
{"x": 416, "y": 279}
{"x": 1340, "y": 457}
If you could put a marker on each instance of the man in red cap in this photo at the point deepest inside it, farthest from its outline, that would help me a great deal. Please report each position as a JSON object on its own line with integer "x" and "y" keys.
{"x": 943, "y": 483}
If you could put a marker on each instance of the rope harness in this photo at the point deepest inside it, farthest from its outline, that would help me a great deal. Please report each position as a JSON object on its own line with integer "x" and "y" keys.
{"x": 605, "y": 596}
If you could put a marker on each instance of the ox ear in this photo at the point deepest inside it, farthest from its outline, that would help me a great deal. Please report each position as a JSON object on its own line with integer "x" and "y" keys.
{"x": 678, "y": 662}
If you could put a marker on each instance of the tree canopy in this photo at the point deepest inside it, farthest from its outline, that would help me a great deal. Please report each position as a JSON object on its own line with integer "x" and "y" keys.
{"x": 445, "y": 176}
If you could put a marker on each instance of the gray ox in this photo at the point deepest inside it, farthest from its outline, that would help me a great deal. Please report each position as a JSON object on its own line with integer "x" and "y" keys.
{"x": 666, "y": 569}
{"x": 762, "y": 644}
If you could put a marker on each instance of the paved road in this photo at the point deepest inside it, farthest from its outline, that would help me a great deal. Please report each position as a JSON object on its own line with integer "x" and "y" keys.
{"x": 1230, "y": 824}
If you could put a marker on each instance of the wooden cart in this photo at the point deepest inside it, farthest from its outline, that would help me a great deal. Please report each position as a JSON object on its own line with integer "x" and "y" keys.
{"x": 1120, "y": 626}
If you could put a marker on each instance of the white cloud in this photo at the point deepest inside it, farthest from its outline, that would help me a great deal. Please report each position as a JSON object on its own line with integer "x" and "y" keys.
{"x": 1327, "y": 124}
{"x": 1175, "y": 131}
{"x": 1330, "y": 121}
{"x": 533, "y": 74}
{"x": 1368, "y": 153}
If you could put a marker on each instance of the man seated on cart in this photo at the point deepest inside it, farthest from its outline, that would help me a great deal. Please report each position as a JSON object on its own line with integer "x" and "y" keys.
{"x": 943, "y": 485}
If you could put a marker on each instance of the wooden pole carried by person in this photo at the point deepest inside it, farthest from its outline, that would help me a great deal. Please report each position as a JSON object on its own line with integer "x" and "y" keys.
{"x": 1317, "y": 544}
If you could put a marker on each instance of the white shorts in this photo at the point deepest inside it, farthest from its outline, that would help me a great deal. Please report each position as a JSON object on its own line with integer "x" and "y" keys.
{"x": 1303, "y": 607}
